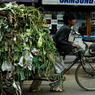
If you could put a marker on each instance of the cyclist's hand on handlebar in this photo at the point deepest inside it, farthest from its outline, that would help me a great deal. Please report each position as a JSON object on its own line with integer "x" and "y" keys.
{"x": 77, "y": 46}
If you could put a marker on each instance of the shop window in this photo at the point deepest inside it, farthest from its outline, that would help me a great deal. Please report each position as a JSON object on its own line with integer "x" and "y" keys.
{"x": 93, "y": 23}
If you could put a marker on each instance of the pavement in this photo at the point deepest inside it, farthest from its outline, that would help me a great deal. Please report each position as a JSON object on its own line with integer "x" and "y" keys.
{"x": 70, "y": 88}
{"x": 70, "y": 85}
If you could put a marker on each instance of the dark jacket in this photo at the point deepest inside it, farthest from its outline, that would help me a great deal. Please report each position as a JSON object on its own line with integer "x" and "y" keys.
{"x": 61, "y": 39}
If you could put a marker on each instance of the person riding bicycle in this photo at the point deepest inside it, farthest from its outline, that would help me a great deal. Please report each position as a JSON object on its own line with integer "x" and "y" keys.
{"x": 65, "y": 38}
{"x": 64, "y": 46}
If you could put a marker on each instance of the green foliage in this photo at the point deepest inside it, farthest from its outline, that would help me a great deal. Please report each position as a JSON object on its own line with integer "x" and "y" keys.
{"x": 25, "y": 44}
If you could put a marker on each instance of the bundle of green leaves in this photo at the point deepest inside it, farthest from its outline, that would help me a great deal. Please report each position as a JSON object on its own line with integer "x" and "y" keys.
{"x": 26, "y": 47}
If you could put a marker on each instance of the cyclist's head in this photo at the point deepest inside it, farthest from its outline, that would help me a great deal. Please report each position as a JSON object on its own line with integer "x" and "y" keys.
{"x": 69, "y": 19}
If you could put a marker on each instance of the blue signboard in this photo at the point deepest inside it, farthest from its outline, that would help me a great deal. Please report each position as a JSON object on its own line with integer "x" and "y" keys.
{"x": 69, "y": 2}
{"x": 77, "y": 1}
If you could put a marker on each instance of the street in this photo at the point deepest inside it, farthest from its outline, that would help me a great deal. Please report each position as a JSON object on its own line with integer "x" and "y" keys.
{"x": 70, "y": 88}
{"x": 70, "y": 85}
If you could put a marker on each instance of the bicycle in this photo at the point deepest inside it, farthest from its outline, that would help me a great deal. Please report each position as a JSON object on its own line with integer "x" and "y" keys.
{"x": 84, "y": 73}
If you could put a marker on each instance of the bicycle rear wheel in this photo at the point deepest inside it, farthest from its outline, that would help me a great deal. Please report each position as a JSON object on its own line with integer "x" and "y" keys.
{"x": 85, "y": 75}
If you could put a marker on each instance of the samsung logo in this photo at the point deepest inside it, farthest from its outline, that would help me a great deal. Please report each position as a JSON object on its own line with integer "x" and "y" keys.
{"x": 78, "y": 1}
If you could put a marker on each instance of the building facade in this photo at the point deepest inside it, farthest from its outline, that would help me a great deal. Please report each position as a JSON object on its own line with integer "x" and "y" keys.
{"x": 84, "y": 10}
{"x": 54, "y": 11}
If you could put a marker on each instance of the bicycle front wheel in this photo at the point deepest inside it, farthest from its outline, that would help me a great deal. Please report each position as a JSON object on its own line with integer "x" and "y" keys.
{"x": 85, "y": 75}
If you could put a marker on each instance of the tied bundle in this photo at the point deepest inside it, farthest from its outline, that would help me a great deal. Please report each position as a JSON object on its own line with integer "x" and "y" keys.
{"x": 26, "y": 47}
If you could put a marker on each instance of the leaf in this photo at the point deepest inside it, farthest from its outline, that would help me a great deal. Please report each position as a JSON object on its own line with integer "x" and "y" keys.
{"x": 22, "y": 76}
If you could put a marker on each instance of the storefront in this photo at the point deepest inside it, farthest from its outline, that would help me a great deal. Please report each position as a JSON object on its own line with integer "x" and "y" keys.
{"x": 54, "y": 11}
{"x": 84, "y": 10}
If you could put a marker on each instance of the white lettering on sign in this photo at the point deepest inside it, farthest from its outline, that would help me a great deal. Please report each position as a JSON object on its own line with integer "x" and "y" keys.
{"x": 68, "y": 2}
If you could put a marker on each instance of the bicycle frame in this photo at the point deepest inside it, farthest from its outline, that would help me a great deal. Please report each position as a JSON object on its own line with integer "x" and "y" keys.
{"x": 78, "y": 58}
{"x": 71, "y": 65}
{"x": 64, "y": 71}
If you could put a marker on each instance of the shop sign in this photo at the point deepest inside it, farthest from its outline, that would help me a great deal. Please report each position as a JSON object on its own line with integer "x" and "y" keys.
{"x": 69, "y": 2}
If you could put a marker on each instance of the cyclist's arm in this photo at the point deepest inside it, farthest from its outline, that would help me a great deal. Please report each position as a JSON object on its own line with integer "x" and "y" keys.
{"x": 62, "y": 36}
